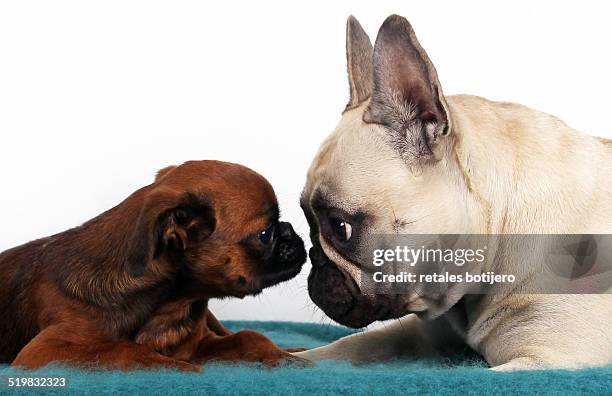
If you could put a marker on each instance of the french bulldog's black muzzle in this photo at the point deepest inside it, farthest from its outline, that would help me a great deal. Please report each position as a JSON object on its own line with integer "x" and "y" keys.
{"x": 338, "y": 295}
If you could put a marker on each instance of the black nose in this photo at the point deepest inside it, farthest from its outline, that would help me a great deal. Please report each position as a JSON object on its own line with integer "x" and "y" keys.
{"x": 286, "y": 230}
{"x": 318, "y": 259}
{"x": 290, "y": 248}
{"x": 286, "y": 252}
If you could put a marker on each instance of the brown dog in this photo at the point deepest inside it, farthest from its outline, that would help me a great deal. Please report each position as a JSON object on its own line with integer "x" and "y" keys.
{"x": 129, "y": 288}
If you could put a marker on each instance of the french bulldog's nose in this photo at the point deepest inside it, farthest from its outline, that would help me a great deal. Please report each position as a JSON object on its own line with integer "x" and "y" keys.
{"x": 317, "y": 257}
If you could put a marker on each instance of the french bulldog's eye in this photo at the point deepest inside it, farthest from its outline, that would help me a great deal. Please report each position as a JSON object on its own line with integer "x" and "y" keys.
{"x": 266, "y": 236}
{"x": 342, "y": 229}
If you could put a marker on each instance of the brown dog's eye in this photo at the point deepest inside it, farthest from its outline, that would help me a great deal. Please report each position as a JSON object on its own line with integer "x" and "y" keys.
{"x": 266, "y": 236}
{"x": 342, "y": 229}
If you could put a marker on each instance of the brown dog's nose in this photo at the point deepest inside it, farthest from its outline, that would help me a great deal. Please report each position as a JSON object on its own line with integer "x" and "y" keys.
{"x": 291, "y": 247}
{"x": 286, "y": 230}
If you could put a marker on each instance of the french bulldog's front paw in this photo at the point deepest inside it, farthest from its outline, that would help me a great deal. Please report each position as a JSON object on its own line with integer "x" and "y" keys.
{"x": 284, "y": 359}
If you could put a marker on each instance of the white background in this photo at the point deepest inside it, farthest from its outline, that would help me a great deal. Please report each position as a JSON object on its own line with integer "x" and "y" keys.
{"x": 96, "y": 96}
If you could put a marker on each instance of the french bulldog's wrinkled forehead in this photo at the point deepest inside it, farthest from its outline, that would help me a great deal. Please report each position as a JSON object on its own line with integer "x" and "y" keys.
{"x": 354, "y": 165}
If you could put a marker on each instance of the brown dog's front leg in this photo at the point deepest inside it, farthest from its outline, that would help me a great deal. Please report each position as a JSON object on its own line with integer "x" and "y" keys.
{"x": 58, "y": 344}
{"x": 215, "y": 326}
{"x": 244, "y": 346}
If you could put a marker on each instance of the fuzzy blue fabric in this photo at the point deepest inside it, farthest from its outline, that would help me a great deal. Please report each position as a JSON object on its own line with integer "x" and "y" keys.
{"x": 443, "y": 376}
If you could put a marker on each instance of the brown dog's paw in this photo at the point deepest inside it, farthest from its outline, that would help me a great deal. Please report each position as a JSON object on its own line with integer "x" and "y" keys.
{"x": 188, "y": 367}
{"x": 248, "y": 346}
{"x": 294, "y": 350}
{"x": 172, "y": 364}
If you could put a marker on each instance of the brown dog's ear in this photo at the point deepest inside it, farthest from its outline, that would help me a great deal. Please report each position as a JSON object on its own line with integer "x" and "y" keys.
{"x": 358, "y": 62}
{"x": 188, "y": 223}
{"x": 407, "y": 96}
{"x": 169, "y": 225}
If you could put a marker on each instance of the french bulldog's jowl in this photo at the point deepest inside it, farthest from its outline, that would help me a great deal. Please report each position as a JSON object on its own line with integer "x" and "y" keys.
{"x": 405, "y": 159}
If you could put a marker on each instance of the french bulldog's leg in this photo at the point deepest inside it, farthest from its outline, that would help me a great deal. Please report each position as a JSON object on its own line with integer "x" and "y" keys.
{"x": 522, "y": 363}
{"x": 243, "y": 346}
{"x": 538, "y": 348}
{"x": 549, "y": 331}
{"x": 408, "y": 337}
{"x": 61, "y": 344}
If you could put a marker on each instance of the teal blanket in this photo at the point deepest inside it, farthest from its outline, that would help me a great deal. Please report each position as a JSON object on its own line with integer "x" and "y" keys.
{"x": 456, "y": 376}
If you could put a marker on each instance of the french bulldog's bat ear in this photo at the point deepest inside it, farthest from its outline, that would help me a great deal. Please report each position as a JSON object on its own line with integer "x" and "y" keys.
{"x": 359, "y": 62}
{"x": 166, "y": 225}
{"x": 407, "y": 97}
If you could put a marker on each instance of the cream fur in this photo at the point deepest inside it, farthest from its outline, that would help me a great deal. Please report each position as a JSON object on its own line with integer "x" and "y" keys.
{"x": 504, "y": 169}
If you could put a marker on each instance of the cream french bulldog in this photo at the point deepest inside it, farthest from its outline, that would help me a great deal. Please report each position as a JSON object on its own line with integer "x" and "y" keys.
{"x": 405, "y": 159}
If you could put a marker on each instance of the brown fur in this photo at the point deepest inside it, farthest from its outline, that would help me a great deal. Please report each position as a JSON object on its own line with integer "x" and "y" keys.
{"x": 129, "y": 288}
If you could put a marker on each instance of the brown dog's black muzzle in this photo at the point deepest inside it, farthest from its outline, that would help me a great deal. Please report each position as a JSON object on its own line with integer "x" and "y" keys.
{"x": 287, "y": 258}
{"x": 290, "y": 248}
